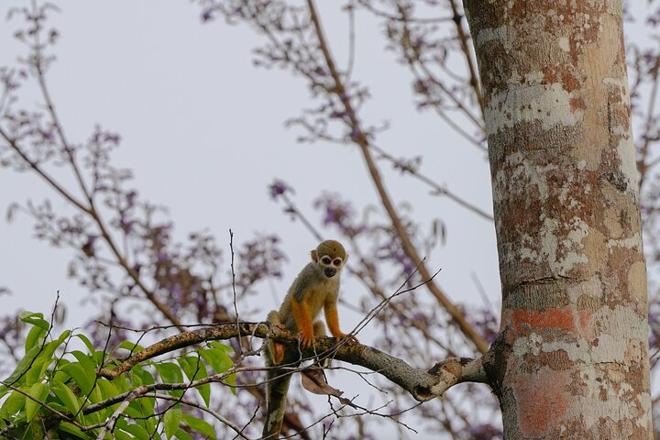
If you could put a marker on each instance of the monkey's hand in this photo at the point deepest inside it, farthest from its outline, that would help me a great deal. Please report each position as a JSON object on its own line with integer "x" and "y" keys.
{"x": 306, "y": 339}
{"x": 350, "y": 339}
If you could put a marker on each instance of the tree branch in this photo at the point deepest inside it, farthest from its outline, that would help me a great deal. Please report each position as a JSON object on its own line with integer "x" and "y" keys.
{"x": 422, "y": 384}
{"x": 465, "y": 48}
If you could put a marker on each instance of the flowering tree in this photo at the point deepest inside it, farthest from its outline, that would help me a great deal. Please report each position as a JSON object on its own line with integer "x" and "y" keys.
{"x": 125, "y": 254}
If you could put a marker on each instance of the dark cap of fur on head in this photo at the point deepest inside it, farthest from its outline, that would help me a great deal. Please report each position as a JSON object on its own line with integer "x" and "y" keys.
{"x": 332, "y": 248}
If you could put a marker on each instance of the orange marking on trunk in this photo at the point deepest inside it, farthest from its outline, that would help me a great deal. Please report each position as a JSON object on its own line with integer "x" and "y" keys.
{"x": 542, "y": 400}
{"x": 585, "y": 319}
{"x": 561, "y": 319}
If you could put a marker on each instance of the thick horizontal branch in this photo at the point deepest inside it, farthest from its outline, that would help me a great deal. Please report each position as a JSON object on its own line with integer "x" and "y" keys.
{"x": 422, "y": 384}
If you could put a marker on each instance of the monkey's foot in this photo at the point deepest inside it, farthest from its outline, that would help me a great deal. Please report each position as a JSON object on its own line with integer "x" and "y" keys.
{"x": 349, "y": 339}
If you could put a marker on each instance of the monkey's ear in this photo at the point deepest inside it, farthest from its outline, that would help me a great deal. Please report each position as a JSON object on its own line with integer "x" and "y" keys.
{"x": 315, "y": 256}
{"x": 345, "y": 258}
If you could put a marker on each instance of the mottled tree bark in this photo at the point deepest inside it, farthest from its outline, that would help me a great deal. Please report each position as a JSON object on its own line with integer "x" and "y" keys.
{"x": 572, "y": 358}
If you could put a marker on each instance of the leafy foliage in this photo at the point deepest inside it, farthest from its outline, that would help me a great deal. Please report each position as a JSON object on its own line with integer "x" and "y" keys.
{"x": 58, "y": 390}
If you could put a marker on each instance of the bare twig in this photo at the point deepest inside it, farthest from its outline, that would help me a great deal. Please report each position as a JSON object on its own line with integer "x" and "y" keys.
{"x": 467, "y": 53}
{"x": 233, "y": 287}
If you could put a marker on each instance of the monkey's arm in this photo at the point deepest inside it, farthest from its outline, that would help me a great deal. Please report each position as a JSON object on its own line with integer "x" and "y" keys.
{"x": 303, "y": 321}
{"x": 331, "y": 317}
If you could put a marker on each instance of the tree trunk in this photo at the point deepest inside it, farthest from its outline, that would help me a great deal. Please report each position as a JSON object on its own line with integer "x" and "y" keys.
{"x": 572, "y": 358}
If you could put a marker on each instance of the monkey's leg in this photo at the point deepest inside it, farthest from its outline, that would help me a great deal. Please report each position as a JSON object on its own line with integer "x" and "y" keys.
{"x": 319, "y": 331}
{"x": 304, "y": 324}
{"x": 274, "y": 350}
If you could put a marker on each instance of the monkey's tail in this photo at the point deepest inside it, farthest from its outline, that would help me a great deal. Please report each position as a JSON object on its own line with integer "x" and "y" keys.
{"x": 277, "y": 388}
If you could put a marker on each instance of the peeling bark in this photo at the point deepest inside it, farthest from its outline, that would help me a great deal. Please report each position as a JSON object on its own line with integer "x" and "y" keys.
{"x": 572, "y": 357}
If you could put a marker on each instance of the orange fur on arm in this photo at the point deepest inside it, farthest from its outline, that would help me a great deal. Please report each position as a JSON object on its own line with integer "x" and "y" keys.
{"x": 302, "y": 318}
{"x": 332, "y": 319}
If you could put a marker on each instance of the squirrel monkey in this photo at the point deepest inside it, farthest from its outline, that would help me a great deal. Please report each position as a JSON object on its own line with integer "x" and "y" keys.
{"x": 316, "y": 287}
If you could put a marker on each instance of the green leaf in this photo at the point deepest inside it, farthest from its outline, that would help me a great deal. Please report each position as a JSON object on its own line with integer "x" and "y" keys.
{"x": 63, "y": 336}
{"x": 222, "y": 347}
{"x": 44, "y": 359}
{"x": 217, "y": 357}
{"x": 21, "y": 367}
{"x": 170, "y": 373}
{"x": 34, "y": 337}
{"x": 55, "y": 404}
{"x": 38, "y": 370}
{"x": 231, "y": 382}
{"x": 122, "y": 383}
{"x": 150, "y": 425}
{"x": 131, "y": 346}
{"x": 85, "y": 340}
{"x": 67, "y": 397}
{"x": 14, "y": 403}
{"x": 59, "y": 376}
{"x": 83, "y": 377}
{"x": 36, "y": 319}
{"x": 183, "y": 435}
{"x": 121, "y": 435}
{"x": 171, "y": 420}
{"x": 196, "y": 369}
{"x": 138, "y": 431}
{"x": 199, "y": 425}
{"x": 99, "y": 357}
{"x": 85, "y": 360}
{"x": 49, "y": 348}
{"x": 108, "y": 389}
{"x": 141, "y": 375}
{"x": 72, "y": 429}
{"x": 141, "y": 408}
{"x": 39, "y": 391}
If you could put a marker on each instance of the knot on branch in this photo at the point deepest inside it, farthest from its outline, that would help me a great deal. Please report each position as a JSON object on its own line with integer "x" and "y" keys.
{"x": 448, "y": 373}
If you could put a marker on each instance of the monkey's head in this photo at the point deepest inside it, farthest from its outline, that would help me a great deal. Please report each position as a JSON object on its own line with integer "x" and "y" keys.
{"x": 330, "y": 255}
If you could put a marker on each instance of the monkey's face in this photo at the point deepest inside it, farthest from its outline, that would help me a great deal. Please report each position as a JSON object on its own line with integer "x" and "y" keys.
{"x": 330, "y": 265}
{"x": 331, "y": 256}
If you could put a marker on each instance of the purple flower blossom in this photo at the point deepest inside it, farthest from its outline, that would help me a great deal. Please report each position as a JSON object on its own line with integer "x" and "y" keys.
{"x": 356, "y": 134}
{"x": 207, "y": 15}
{"x": 278, "y": 188}
{"x": 339, "y": 213}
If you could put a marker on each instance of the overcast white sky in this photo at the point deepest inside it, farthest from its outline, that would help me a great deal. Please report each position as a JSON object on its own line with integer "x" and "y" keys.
{"x": 203, "y": 130}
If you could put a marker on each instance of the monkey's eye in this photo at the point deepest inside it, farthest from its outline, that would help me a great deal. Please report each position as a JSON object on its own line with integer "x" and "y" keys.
{"x": 336, "y": 262}
{"x": 326, "y": 260}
